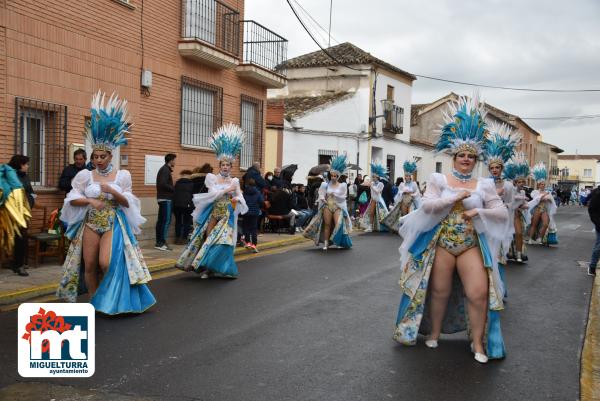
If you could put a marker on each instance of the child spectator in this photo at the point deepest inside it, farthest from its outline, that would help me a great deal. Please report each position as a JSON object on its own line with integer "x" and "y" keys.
{"x": 254, "y": 200}
{"x": 183, "y": 206}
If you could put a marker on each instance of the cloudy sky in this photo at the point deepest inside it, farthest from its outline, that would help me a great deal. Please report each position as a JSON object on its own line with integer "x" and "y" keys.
{"x": 517, "y": 43}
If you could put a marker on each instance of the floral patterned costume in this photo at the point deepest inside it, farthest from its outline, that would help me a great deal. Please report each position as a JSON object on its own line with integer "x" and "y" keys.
{"x": 333, "y": 198}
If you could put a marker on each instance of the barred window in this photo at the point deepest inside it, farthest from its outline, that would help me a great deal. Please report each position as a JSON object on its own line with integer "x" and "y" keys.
{"x": 251, "y": 121}
{"x": 201, "y": 111}
{"x": 325, "y": 155}
{"x": 41, "y": 134}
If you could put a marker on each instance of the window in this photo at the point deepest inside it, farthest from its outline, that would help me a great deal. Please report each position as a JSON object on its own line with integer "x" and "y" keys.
{"x": 41, "y": 134}
{"x": 587, "y": 172}
{"x": 438, "y": 167}
{"x": 389, "y": 118}
{"x": 251, "y": 121}
{"x": 391, "y": 166}
{"x": 326, "y": 155}
{"x": 201, "y": 111}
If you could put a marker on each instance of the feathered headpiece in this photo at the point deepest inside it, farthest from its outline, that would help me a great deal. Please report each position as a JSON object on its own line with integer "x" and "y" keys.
{"x": 227, "y": 142}
{"x": 464, "y": 128}
{"x": 539, "y": 172}
{"x": 339, "y": 164}
{"x": 501, "y": 143}
{"x": 516, "y": 168}
{"x": 409, "y": 166}
{"x": 108, "y": 124}
{"x": 379, "y": 169}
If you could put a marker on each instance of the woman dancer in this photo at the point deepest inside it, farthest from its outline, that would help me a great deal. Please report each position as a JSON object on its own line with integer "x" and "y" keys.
{"x": 332, "y": 225}
{"x": 406, "y": 200}
{"x": 210, "y": 250}
{"x": 542, "y": 210}
{"x": 500, "y": 147}
{"x": 457, "y": 231}
{"x": 517, "y": 170}
{"x": 102, "y": 216}
{"x": 376, "y": 210}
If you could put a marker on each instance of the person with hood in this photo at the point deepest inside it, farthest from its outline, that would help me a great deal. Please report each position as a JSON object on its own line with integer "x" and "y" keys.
{"x": 183, "y": 206}
{"x": 254, "y": 201}
{"x": 254, "y": 173}
{"x": 199, "y": 176}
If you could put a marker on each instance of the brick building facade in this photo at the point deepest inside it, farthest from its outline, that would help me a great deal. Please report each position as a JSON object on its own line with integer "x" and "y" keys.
{"x": 206, "y": 66}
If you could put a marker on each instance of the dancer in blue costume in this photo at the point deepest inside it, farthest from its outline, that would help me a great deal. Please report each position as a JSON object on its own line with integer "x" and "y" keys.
{"x": 451, "y": 244}
{"x": 102, "y": 217}
{"x": 210, "y": 250}
{"x": 406, "y": 200}
{"x": 500, "y": 147}
{"x": 517, "y": 170}
{"x": 542, "y": 209}
{"x": 376, "y": 210}
{"x": 331, "y": 225}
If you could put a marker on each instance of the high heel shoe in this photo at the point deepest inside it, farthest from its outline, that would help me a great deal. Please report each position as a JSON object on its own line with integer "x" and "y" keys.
{"x": 431, "y": 343}
{"x": 326, "y": 246}
{"x": 479, "y": 357}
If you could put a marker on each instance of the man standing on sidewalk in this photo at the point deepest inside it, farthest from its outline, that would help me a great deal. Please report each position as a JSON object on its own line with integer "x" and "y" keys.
{"x": 164, "y": 196}
{"x": 594, "y": 212}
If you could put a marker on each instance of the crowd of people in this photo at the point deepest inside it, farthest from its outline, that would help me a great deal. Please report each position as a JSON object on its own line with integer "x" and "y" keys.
{"x": 459, "y": 232}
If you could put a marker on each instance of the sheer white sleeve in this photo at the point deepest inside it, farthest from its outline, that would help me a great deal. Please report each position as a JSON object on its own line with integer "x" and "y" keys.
{"x": 340, "y": 193}
{"x": 432, "y": 201}
{"x": 133, "y": 213}
{"x": 240, "y": 202}
{"x": 493, "y": 214}
{"x": 322, "y": 194}
{"x": 74, "y": 214}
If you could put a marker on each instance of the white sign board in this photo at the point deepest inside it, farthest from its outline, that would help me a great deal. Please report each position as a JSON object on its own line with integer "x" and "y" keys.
{"x": 153, "y": 164}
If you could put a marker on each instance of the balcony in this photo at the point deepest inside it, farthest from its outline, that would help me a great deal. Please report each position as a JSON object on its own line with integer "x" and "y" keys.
{"x": 264, "y": 54}
{"x": 210, "y": 33}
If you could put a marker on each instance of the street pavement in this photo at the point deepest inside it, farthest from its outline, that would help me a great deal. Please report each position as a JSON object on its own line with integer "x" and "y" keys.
{"x": 314, "y": 325}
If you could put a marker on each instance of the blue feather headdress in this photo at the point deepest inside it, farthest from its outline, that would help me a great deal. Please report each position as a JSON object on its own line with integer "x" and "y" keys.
{"x": 409, "y": 166}
{"x": 516, "y": 168}
{"x": 464, "y": 128}
{"x": 227, "y": 142}
{"x": 379, "y": 169}
{"x": 501, "y": 144}
{"x": 108, "y": 124}
{"x": 339, "y": 164}
{"x": 540, "y": 174}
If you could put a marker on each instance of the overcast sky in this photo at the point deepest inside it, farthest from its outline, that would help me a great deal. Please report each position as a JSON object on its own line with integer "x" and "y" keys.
{"x": 519, "y": 43}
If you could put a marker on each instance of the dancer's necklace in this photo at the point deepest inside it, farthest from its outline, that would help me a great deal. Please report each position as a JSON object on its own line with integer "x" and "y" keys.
{"x": 106, "y": 171}
{"x": 464, "y": 178}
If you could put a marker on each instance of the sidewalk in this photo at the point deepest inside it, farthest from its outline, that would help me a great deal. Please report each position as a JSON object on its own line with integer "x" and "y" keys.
{"x": 44, "y": 279}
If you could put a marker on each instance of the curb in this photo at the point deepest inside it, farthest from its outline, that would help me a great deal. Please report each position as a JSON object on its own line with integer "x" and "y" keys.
{"x": 23, "y": 295}
{"x": 589, "y": 381}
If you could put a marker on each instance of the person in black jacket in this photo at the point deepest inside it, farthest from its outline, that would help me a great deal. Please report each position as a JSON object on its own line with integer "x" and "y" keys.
{"x": 183, "y": 206}
{"x": 254, "y": 201}
{"x": 21, "y": 164}
{"x": 69, "y": 172}
{"x": 281, "y": 205}
{"x": 594, "y": 212}
{"x": 164, "y": 197}
{"x": 300, "y": 204}
{"x": 254, "y": 173}
{"x": 387, "y": 193}
{"x": 199, "y": 176}
{"x": 277, "y": 179}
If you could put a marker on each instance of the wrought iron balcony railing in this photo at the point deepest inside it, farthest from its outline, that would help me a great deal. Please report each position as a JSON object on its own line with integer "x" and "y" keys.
{"x": 212, "y": 22}
{"x": 264, "y": 48}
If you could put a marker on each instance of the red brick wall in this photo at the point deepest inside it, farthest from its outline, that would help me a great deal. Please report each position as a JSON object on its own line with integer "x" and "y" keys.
{"x": 275, "y": 113}
{"x": 64, "y": 51}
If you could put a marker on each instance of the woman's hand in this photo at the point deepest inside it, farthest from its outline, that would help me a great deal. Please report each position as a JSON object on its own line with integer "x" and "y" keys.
{"x": 106, "y": 188}
{"x": 524, "y": 206}
{"x": 463, "y": 195}
{"x": 96, "y": 203}
{"x": 231, "y": 189}
{"x": 469, "y": 214}
{"x": 500, "y": 191}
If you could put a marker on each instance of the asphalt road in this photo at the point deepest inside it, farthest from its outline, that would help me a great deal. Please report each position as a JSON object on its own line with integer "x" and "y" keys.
{"x": 309, "y": 325}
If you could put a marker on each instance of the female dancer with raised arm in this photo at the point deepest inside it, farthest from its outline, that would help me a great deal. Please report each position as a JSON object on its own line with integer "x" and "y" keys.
{"x": 406, "y": 200}
{"x": 542, "y": 209}
{"x": 457, "y": 231}
{"x": 210, "y": 250}
{"x": 331, "y": 225}
{"x": 376, "y": 210}
{"x": 517, "y": 170}
{"x": 102, "y": 217}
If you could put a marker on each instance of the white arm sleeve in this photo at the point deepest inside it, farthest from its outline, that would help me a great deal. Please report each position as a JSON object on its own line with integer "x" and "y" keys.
{"x": 133, "y": 213}
{"x": 73, "y": 214}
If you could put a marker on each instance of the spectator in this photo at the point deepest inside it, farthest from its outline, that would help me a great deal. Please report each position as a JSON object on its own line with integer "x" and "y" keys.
{"x": 300, "y": 205}
{"x": 254, "y": 173}
{"x": 594, "y": 213}
{"x": 559, "y": 197}
{"x": 254, "y": 201}
{"x": 21, "y": 165}
{"x": 396, "y": 185}
{"x": 277, "y": 179}
{"x": 164, "y": 197}
{"x": 582, "y": 195}
{"x": 183, "y": 206}
{"x": 281, "y": 205}
{"x": 386, "y": 194}
{"x": 198, "y": 177}
{"x": 363, "y": 200}
{"x": 69, "y": 172}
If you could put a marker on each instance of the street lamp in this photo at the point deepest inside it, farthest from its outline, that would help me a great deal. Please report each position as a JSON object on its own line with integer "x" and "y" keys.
{"x": 387, "y": 105}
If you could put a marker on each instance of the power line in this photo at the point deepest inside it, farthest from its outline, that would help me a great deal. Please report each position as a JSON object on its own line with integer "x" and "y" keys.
{"x": 429, "y": 77}
{"x": 314, "y": 20}
{"x": 582, "y": 117}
